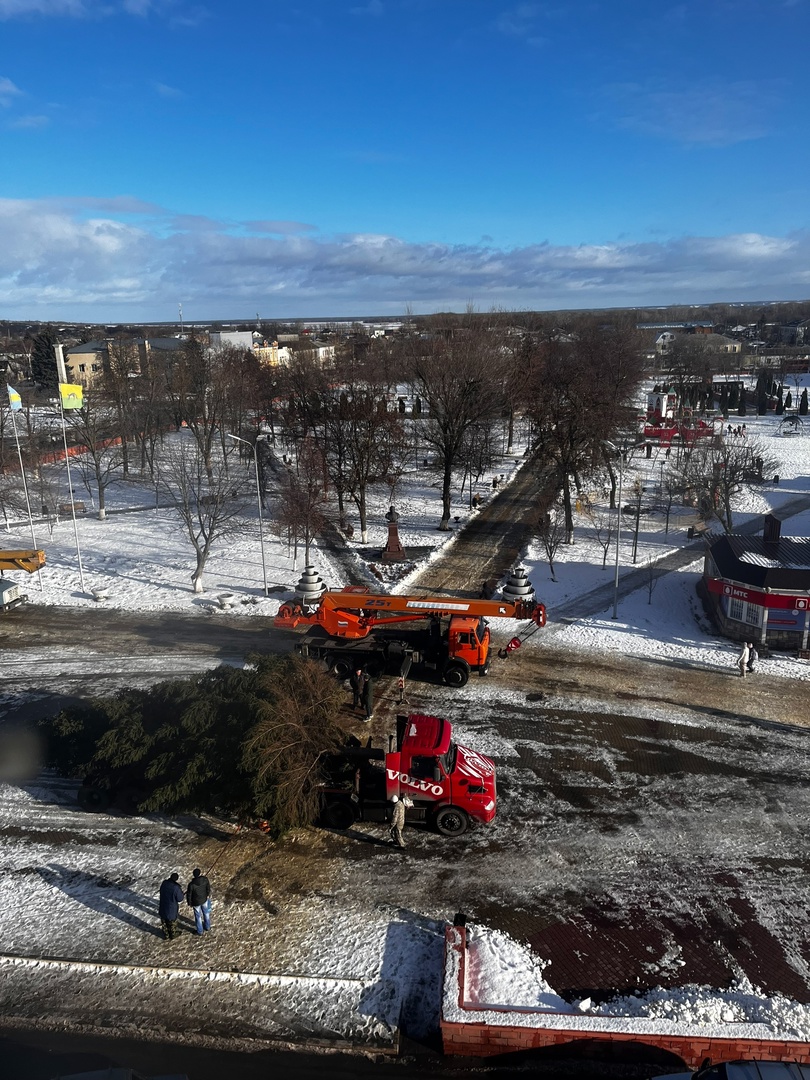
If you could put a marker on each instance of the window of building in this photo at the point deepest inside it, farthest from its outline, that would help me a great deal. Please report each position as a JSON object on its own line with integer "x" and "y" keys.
{"x": 94, "y": 367}
{"x": 753, "y": 614}
{"x": 82, "y": 367}
{"x": 735, "y": 609}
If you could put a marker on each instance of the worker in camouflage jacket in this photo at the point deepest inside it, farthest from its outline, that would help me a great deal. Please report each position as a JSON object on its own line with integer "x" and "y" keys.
{"x": 398, "y": 819}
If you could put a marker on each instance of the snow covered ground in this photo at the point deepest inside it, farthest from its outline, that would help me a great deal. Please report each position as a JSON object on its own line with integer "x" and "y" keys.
{"x": 344, "y": 973}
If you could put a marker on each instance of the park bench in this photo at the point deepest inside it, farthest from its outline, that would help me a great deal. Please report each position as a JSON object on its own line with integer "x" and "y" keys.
{"x": 78, "y": 507}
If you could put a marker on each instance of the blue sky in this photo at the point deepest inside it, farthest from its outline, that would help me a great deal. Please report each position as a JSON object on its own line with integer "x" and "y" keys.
{"x": 322, "y": 157}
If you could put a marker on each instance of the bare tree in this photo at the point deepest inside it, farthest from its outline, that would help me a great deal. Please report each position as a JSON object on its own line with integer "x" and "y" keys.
{"x": 456, "y": 372}
{"x": 121, "y": 372}
{"x": 197, "y": 383}
{"x": 716, "y": 470}
{"x": 302, "y": 498}
{"x": 603, "y": 525}
{"x": 579, "y": 396}
{"x": 296, "y": 706}
{"x": 206, "y": 499}
{"x": 103, "y": 450}
{"x": 551, "y": 530}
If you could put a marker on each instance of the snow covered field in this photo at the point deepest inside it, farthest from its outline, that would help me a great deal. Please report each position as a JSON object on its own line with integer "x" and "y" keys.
{"x": 313, "y": 970}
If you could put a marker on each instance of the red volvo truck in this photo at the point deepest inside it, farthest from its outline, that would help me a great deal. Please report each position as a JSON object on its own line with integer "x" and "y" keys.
{"x": 451, "y": 786}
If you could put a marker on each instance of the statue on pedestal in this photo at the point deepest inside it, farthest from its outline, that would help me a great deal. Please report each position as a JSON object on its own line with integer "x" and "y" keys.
{"x": 393, "y": 550}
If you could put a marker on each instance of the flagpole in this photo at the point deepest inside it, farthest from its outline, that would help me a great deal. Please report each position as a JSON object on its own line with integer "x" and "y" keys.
{"x": 25, "y": 489}
{"x": 62, "y": 376}
{"x": 70, "y": 490}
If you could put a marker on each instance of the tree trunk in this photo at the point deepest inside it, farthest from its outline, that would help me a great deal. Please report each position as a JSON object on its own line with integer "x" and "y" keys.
{"x": 444, "y": 524}
{"x": 363, "y": 512}
{"x": 196, "y": 577}
{"x": 612, "y": 476}
{"x": 569, "y": 513}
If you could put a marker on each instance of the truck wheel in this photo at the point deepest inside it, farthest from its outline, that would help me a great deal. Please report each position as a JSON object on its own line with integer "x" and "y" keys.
{"x": 338, "y": 815}
{"x": 341, "y": 667}
{"x": 451, "y": 821}
{"x": 456, "y": 674}
{"x": 93, "y": 798}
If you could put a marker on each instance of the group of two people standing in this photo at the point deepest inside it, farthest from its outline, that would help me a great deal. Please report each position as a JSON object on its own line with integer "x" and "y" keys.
{"x": 197, "y": 896}
{"x": 748, "y": 658}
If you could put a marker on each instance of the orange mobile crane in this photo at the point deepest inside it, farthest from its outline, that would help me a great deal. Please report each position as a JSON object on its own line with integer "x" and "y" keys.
{"x": 352, "y": 628}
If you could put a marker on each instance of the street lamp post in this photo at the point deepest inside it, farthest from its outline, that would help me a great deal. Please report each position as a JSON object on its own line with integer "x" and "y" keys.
{"x": 621, "y": 452}
{"x": 258, "y": 499}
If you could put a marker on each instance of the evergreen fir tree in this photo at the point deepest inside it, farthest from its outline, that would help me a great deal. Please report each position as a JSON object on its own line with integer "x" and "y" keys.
{"x": 43, "y": 359}
{"x": 743, "y": 407}
{"x": 246, "y": 742}
{"x": 803, "y": 403}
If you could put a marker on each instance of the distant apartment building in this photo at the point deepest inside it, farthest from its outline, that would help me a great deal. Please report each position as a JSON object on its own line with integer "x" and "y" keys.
{"x": 86, "y": 363}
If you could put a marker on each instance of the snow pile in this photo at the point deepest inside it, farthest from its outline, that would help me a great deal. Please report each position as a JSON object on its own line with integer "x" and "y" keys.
{"x": 506, "y": 985}
{"x": 499, "y": 969}
{"x": 702, "y": 1007}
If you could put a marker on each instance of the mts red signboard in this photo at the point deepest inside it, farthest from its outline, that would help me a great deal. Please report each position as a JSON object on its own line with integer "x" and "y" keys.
{"x": 754, "y": 596}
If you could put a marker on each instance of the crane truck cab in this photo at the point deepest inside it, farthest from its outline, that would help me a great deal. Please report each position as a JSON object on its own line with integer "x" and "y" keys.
{"x": 451, "y": 786}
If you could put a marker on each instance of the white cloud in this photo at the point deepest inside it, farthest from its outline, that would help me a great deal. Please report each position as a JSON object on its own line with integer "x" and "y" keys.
{"x": 708, "y": 112}
{"x": 76, "y": 9}
{"x": 373, "y": 7}
{"x": 8, "y": 91}
{"x": 76, "y": 259}
{"x": 282, "y": 228}
{"x": 166, "y": 91}
{"x": 29, "y": 123}
{"x": 10, "y": 9}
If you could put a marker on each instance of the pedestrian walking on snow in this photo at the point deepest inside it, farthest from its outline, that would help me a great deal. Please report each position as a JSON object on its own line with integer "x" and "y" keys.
{"x": 753, "y": 656}
{"x": 398, "y": 819}
{"x": 171, "y": 897}
{"x": 198, "y": 897}
{"x": 367, "y": 696}
{"x": 745, "y": 655}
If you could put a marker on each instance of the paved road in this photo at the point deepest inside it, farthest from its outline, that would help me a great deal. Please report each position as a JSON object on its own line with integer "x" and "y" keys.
{"x": 492, "y": 542}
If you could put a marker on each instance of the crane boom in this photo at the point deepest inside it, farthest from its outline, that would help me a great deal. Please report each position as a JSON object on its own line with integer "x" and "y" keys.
{"x": 353, "y": 611}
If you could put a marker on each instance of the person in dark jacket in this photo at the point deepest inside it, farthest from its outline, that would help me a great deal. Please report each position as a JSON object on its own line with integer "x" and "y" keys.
{"x": 356, "y": 683}
{"x": 367, "y": 696}
{"x": 171, "y": 897}
{"x": 198, "y": 896}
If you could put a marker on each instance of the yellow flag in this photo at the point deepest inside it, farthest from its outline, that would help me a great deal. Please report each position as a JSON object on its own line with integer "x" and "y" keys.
{"x": 71, "y": 395}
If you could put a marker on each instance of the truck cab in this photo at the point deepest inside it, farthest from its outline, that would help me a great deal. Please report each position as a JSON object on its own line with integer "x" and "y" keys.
{"x": 450, "y": 785}
{"x": 468, "y": 643}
